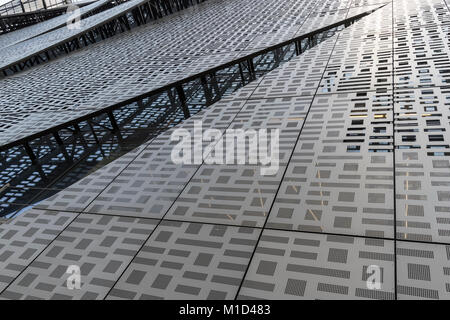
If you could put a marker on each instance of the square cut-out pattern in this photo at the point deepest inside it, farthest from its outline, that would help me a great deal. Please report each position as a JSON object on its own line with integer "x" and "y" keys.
{"x": 340, "y": 178}
{"x": 335, "y": 203}
{"x": 423, "y": 164}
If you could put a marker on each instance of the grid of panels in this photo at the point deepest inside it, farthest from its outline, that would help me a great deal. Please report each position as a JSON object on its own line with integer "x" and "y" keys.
{"x": 422, "y": 114}
{"x": 314, "y": 263}
{"x": 139, "y": 67}
{"x": 423, "y": 166}
{"x": 152, "y": 182}
{"x": 80, "y": 194}
{"x": 240, "y": 194}
{"x": 362, "y": 59}
{"x": 298, "y": 77}
{"x": 340, "y": 177}
{"x": 189, "y": 261}
{"x": 18, "y": 6}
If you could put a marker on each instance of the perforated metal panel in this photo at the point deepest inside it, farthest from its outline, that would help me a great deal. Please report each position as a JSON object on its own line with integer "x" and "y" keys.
{"x": 78, "y": 196}
{"x": 23, "y": 239}
{"x": 47, "y": 37}
{"x": 17, "y": 36}
{"x": 189, "y": 261}
{"x": 340, "y": 177}
{"x": 144, "y": 59}
{"x": 101, "y": 246}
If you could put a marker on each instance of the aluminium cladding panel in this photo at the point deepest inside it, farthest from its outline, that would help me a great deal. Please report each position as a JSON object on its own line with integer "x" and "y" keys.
{"x": 423, "y": 271}
{"x": 422, "y": 164}
{"x": 14, "y": 37}
{"x": 138, "y": 67}
{"x": 334, "y": 5}
{"x": 101, "y": 246}
{"x": 287, "y": 26}
{"x": 316, "y": 19}
{"x": 248, "y": 193}
{"x": 227, "y": 194}
{"x": 224, "y": 26}
{"x": 296, "y": 265}
{"x": 420, "y": 13}
{"x": 189, "y": 261}
{"x": 362, "y": 58}
{"x": 17, "y": 124}
{"x": 79, "y": 195}
{"x": 26, "y": 49}
{"x": 422, "y": 55}
{"x": 89, "y": 190}
{"x": 25, "y": 237}
{"x": 288, "y": 12}
{"x": 422, "y": 120}
{"x": 361, "y": 3}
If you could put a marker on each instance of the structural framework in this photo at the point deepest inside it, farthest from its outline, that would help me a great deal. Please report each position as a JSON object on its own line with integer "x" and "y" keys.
{"x": 363, "y": 181}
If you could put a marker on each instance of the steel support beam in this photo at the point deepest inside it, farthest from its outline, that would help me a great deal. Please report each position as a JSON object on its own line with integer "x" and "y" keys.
{"x": 183, "y": 103}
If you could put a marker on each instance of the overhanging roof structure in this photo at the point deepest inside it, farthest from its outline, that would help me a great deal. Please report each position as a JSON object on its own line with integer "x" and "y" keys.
{"x": 363, "y": 179}
{"x": 21, "y": 50}
{"x": 14, "y": 37}
{"x": 14, "y": 17}
{"x": 16, "y": 7}
{"x": 141, "y": 68}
